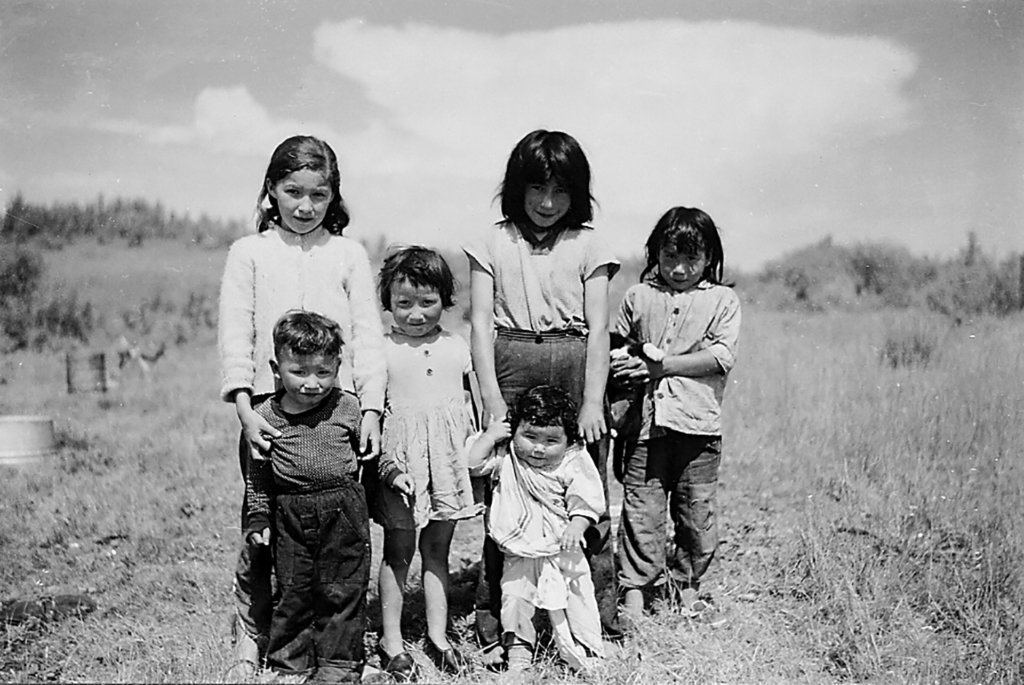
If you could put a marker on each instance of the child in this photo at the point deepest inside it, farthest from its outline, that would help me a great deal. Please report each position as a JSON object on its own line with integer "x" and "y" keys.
{"x": 306, "y": 489}
{"x": 680, "y": 309}
{"x": 297, "y": 260}
{"x": 539, "y": 296}
{"x": 423, "y": 469}
{"x": 547, "y": 493}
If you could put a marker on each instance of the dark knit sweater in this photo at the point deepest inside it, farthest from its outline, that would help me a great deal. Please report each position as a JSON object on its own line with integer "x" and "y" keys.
{"x": 316, "y": 451}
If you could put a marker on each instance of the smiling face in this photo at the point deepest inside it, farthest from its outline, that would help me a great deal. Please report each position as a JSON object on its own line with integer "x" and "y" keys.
{"x": 680, "y": 271}
{"x": 306, "y": 378}
{"x": 416, "y": 308}
{"x": 546, "y": 203}
{"x": 540, "y": 446}
{"x": 302, "y": 197}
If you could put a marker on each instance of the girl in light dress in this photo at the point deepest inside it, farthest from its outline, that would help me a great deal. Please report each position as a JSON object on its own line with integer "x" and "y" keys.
{"x": 298, "y": 259}
{"x": 425, "y": 484}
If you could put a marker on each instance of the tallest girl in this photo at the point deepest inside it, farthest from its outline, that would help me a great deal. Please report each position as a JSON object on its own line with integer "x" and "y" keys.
{"x": 539, "y": 294}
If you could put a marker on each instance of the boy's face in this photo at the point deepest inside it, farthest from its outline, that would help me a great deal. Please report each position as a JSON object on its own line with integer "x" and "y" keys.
{"x": 540, "y": 446}
{"x": 306, "y": 378}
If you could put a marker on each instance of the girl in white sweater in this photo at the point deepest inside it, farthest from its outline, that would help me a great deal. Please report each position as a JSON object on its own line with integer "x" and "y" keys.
{"x": 297, "y": 260}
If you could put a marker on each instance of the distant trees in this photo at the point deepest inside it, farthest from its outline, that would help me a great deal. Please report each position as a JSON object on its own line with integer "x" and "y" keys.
{"x": 131, "y": 221}
{"x": 827, "y": 276}
{"x": 35, "y": 316}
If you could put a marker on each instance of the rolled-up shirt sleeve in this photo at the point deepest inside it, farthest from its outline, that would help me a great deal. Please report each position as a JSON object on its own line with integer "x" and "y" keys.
{"x": 724, "y": 333}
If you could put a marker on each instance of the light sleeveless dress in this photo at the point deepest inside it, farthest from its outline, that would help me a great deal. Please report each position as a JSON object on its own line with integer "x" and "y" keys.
{"x": 426, "y": 423}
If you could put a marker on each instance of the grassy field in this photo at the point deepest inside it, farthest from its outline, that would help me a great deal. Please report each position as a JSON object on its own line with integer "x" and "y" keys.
{"x": 870, "y": 508}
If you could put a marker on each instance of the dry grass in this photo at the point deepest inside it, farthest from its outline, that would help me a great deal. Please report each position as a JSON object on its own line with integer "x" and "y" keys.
{"x": 869, "y": 514}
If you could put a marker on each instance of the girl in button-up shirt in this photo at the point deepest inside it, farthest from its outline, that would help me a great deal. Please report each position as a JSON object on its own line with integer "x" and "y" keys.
{"x": 681, "y": 307}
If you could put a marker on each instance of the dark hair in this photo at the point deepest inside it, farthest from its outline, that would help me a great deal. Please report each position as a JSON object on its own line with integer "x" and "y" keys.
{"x": 692, "y": 232}
{"x": 302, "y": 152}
{"x": 422, "y": 267}
{"x": 545, "y": 406}
{"x": 544, "y": 156}
{"x": 304, "y": 333}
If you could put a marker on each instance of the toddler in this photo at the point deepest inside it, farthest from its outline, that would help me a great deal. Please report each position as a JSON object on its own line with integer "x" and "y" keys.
{"x": 547, "y": 492}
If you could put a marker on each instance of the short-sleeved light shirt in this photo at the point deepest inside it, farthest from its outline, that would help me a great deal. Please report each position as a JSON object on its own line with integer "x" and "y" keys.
{"x": 541, "y": 288}
{"x": 705, "y": 317}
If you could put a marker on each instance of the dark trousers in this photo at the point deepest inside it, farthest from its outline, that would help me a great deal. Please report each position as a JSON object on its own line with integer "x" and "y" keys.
{"x": 322, "y": 549}
{"x": 681, "y": 472}
{"x": 521, "y": 362}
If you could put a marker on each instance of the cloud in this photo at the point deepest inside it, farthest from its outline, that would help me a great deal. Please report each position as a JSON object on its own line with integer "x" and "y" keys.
{"x": 733, "y": 117}
{"x": 227, "y": 120}
{"x": 668, "y": 111}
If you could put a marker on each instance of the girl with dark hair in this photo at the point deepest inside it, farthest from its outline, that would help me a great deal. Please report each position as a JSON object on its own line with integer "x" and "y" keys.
{"x": 298, "y": 259}
{"x": 425, "y": 486}
{"x": 539, "y": 296}
{"x": 683, "y": 309}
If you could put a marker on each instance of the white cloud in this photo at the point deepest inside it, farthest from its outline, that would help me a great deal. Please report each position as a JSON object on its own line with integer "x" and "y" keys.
{"x": 669, "y": 112}
{"x": 227, "y": 120}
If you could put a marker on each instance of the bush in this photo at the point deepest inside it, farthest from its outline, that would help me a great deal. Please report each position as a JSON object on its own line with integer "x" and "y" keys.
{"x": 28, "y": 317}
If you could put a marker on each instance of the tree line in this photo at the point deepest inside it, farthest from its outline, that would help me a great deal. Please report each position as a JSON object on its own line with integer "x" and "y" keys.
{"x": 129, "y": 221}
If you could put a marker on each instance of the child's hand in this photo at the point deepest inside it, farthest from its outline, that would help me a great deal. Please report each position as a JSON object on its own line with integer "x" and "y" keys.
{"x": 591, "y": 423}
{"x": 369, "y": 435}
{"x": 572, "y": 538}
{"x": 629, "y": 370}
{"x": 498, "y": 431}
{"x": 260, "y": 538}
{"x": 257, "y": 432}
{"x": 404, "y": 485}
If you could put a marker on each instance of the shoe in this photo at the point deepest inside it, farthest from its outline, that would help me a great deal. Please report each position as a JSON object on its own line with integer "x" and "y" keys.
{"x": 245, "y": 659}
{"x": 520, "y": 659}
{"x": 492, "y": 656}
{"x": 449, "y": 660}
{"x": 401, "y": 666}
{"x": 714, "y": 616}
{"x": 691, "y": 605}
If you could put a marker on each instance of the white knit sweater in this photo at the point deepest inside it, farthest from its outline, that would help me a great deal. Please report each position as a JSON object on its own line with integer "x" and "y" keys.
{"x": 275, "y": 271}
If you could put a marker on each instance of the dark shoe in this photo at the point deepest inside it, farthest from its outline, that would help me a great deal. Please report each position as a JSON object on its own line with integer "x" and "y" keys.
{"x": 401, "y": 667}
{"x": 449, "y": 660}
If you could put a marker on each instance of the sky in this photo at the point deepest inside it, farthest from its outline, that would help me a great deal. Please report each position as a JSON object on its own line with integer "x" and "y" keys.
{"x": 897, "y": 121}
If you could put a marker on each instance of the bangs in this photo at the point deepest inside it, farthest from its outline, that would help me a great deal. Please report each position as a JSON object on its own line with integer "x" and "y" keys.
{"x": 687, "y": 240}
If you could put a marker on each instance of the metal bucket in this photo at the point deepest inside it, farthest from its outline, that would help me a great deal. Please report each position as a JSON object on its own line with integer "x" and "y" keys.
{"x": 26, "y": 439}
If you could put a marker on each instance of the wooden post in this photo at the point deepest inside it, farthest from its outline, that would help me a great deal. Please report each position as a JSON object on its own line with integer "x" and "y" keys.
{"x": 1020, "y": 283}
{"x": 86, "y": 372}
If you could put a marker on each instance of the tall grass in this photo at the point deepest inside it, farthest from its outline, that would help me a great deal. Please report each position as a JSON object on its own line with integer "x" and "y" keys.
{"x": 907, "y": 557}
{"x": 870, "y": 518}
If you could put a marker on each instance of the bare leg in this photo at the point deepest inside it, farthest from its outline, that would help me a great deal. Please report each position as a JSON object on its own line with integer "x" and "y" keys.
{"x": 435, "y": 541}
{"x": 399, "y": 546}
{"x": 633, "y": 603}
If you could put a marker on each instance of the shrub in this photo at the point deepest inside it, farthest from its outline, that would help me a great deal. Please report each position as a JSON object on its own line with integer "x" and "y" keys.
{"x": 28, "y": 317}
{"x": 21, "y": 272}
{"x": 911, "y": 342}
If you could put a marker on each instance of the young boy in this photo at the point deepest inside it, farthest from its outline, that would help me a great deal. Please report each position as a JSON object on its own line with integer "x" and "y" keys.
{"x": 304, "y": 499}
{"x": 547, "y": 492}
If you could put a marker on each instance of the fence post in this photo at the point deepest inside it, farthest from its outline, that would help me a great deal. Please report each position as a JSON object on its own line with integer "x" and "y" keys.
{"x": 93, "y": 377}
{"x": 1020, "y": 283}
